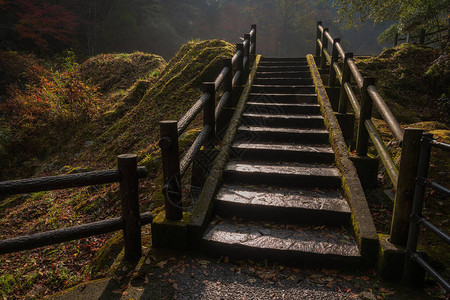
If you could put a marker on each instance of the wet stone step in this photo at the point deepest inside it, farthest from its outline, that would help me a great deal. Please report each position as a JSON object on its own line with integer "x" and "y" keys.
{"x": 287, "y": 121}
{"x": 283, "y": 74}
{"x": 266, "y": 97}
{"x": 283, "y": 152}
{"x": 283, "y": 59}
{"x": 282, "y": 135}
{"x": 283, "y": 81}
{"x": 282, "y": 174}
{"x": 283, "y": 108}
{"x": 283, "y": 64}
{"x": 283, "y": 89}
{"x": 283, "y": 68}
{"x": 285, "y": 206}
{"x": 318, "y": 246}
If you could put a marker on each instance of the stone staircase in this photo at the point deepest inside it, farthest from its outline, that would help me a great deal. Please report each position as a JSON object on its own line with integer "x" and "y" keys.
{"x": 281, "y": 198}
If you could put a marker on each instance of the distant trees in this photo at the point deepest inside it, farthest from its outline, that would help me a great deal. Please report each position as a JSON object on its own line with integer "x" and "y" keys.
{"x": 407, "y": 15}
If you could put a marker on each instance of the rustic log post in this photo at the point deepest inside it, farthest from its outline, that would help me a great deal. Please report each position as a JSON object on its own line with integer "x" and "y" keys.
{"x": 405, "y": 186}
{"x": 129, "y": 195}
{"x": 253, "y": 53}
{"x": 334, "y": 58}
{"x": 323, "y": 58}
{"x": 171, "y": 170}
{"x": 247, "y": 54}
{"x": 419, "y": 193}
{"x": 240, "y": 62}
{"x": 346, "y": 74}
{"x": 226, "y": 114}
{"x": 318, "y": 35}
{"x": 396, "y": 40}
{"x": 209, "y": 114}
{"x": 362, "y": 139}
{"x": 422, "y": 36}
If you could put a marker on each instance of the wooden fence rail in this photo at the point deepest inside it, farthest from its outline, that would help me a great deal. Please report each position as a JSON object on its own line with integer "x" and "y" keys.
{"x": 130, "y": 222}
{"x": 229, "y": 80}
{"x": 349, "y": 77}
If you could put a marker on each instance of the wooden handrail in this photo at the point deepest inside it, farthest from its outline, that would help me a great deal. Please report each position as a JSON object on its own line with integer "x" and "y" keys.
{"x": 402, "y": 178}
{"x": 173, "y": 169}
{"x": 131, "y": 221}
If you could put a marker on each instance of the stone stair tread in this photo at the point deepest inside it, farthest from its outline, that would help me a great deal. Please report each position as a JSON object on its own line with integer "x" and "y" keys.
{"x": 281, "y": 94}
{"x": 275, "y": 116}
{"x": 284, "y": 85}
{"x": 280, "y": 146}
{"x": 284, "y": 104}
{"x": 282, "y": 169}
{"x": 281, "y": 130}
{"x": 271, "y": 196}
{"x": 321, "y": 240}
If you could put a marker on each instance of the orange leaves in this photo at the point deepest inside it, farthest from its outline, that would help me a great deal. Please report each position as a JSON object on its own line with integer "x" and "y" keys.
{"x": 60, "y": 98}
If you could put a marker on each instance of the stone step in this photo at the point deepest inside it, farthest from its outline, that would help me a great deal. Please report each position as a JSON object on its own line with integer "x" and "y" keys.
{"x": 283, "y": 59}
{"x": 283, "y": 152}
{"x": 283, "y": 81}
{"x": 283, "y": 89}
{"x": 282, "y": 174}
{"x": 283, "y": 64}
{"x": 283, "y": 68}
{"x": 282, "y": 135}
{"x": 282, "y": 98}
{"x": 284, "y": 206}
{"x": 283, "y": 108}
{"x": 283, "y": 74}
{"x": 286, "y": 121}
{"x": 292, "y": 245}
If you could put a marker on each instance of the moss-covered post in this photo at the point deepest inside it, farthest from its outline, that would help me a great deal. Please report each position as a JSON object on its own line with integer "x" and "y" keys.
{"x": 129, "y": 195}
{"x": 318, "y": 35}
{"x": 362, "y": 139}
{"x": 209, "y": 114}
{"x": 247, "y": 55}
{"x": 323, "y": 57}
{"x": 405, "y": 186}
{"x": 253, "y": 40}
{"x": 343, "y": 98}
{"x": 171, "y": 170}
{"x": 334, "y": 58}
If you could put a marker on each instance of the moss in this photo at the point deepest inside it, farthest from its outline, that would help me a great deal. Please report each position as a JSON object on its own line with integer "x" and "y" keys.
{"x": 106, "y": 255}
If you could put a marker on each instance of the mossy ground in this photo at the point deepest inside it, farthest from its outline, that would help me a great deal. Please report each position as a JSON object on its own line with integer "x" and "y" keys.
{"x": 130, "y": 125}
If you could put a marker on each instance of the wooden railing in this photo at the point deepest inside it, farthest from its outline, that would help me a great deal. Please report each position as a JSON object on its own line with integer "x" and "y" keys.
{"x": 130, "y": 222}
{"x": 230, "y": 80}
{"x": 348, "y": 77}
{"x": 440, "y": 34}
{"x": 423, "y": 182}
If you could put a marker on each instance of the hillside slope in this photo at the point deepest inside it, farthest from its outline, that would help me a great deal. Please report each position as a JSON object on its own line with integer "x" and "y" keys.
{"x": 130, "y": 125}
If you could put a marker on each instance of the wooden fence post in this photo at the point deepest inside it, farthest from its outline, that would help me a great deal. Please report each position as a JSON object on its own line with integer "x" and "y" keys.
{"x": 405, "y": 186}
{"x": 396, "y": 40}
{"x": 318, "y": 35}
{"x": 209, "y": 114}
{"x": 129, "y": 195}
{"x": 343, "y": 98}
{"x": 422, "y": 36}
{"x": 247, "y": 54}
{"x": 334, "y": 58}
{"x": 253, "y": 53}
{"x": 362, "y": 139}
{"x": 240, "y": 62}
{"x": 171, "y": 170}
{"x": 323, "y": 58}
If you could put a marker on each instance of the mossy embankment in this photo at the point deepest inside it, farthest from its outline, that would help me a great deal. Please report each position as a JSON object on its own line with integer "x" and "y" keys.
{"x": 136, "y": 100}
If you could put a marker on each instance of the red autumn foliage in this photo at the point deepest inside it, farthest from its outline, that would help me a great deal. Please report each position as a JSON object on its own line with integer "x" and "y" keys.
{"x": 44, "y": 23}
